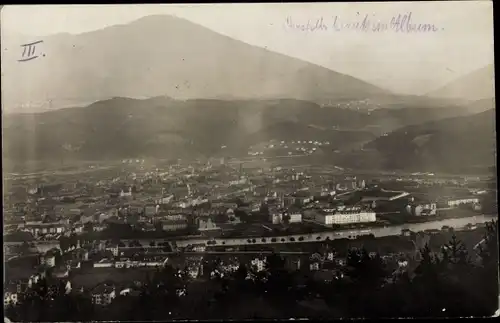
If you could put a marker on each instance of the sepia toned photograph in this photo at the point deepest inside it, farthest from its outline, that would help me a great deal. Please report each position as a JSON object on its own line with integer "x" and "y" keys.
{"x": 168, "y": 162}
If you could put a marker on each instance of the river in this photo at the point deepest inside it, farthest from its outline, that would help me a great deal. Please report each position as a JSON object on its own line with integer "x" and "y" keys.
{"x": 341, "y": 234}
{"x": 392, "y": 230}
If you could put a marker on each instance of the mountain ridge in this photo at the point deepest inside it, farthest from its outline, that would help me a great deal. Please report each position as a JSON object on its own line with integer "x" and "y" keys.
{"x": 209, "y": 64}
{"x": 475, "y": 85}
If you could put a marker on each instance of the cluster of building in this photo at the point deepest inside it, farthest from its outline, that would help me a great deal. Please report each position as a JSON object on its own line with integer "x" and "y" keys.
{"x": 198, "y": 199}
{"x": 294, "y": 147}
{"x": 180, "y": 199}
{"x": 186, "y": 200}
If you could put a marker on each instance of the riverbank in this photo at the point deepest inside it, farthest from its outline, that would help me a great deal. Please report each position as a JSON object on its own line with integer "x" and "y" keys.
{"x": 341, "y": 234}
{"x": 443, "y": 214}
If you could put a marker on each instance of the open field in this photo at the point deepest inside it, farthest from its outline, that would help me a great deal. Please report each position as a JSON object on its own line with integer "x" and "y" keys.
{"x": 401, "y": 218}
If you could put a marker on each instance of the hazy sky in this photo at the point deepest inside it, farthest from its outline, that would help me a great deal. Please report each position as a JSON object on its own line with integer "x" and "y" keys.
{"x": 402, "y": 62}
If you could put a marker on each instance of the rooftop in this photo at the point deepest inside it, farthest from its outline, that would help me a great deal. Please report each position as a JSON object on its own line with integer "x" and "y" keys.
{"x": 103, "y": 289}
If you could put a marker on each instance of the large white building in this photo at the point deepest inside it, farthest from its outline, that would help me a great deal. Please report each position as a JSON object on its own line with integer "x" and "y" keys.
{"x": 345, "y": 215}
{"x": 295, "y": 217}
{"x": 174, "y": 225}
{"x": 457, "y": 202}
{"x": 103, "y": 295}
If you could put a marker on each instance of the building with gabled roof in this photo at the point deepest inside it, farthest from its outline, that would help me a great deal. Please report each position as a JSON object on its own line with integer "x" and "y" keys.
{"x": 103, "y": 294}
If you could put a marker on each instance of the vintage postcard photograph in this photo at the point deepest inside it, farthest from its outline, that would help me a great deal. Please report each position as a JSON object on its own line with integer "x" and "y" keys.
{"x": 255, "y": 161}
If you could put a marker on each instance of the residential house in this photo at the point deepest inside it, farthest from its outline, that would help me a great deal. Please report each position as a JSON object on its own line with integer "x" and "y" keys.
{"x": 205, "y": 224}
{"x": 259, "y": 263}
{"x": 330, "y": 255}
{"x": 194, "y": 270}
{"x": 199, "y": 248}
{"x": 229, "y": 265}
{"x": 78, "y": 254}
{"x": 406, "y": 232}
{"x": 151, "y": 210}
{"x": 45, "y": 228}
{"x": 87, "y": 219}
{"x": 421, "y": 207}
{"x": 165, "y": 200}
{"x": 126, "y": 194}
{"x": 103, "y": 294}
{"x": 315, "y": 265}
{"x": 114, "y": 249}
{"x": 340, "y": 261}
{"x": 10, "y": 295}
{"x": 402, "y": 263}
{"x": 315, "y": 261}
{"x": 48, "y": 259}
{"x": 302, "y": 198}
{"x": 275, "y": 216}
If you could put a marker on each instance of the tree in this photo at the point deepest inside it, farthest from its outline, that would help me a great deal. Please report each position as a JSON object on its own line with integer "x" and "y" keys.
{"x": 88, "y": 227}
{"x": 278, "y": 283}
{"x": 286, "y": 219}
{"x": 488, "y": 270}
{"x": 73, "y": 240}
{"x": 365, "y": 270}
{"x": 488, "y": 247}
{"x": 64, "y": 243}
{"x": 242, "y": 215}
{"x": 455, "y": 251}
{"x": 367, "y": 275}
{"x": 24, "y": 248}
{"x": 241, "y": 274}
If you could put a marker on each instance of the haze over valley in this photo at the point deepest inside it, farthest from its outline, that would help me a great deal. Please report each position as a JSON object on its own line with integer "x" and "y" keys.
{"x": 113, "y": 93}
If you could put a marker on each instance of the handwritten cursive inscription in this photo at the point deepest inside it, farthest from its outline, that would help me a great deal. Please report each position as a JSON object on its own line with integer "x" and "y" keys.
{"x": 401, "y": 23}
{"x": 29, "y": 51}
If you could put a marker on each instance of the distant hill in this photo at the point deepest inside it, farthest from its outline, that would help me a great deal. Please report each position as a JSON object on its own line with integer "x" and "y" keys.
{"x": 476, "y": 85}
{"x": 162, "y": 55}
{"x": 460, "y": 144}
{"x": 164, "y": 127}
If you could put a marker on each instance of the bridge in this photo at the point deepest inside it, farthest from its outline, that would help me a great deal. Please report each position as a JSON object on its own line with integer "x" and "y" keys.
{"x": 286, "y": 239}
{"x": 44, "y": 246}
{"x": 295, "y": 238}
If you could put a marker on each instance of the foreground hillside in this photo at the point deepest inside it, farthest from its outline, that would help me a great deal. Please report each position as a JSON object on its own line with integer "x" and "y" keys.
{"x": 461, "y": 144}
